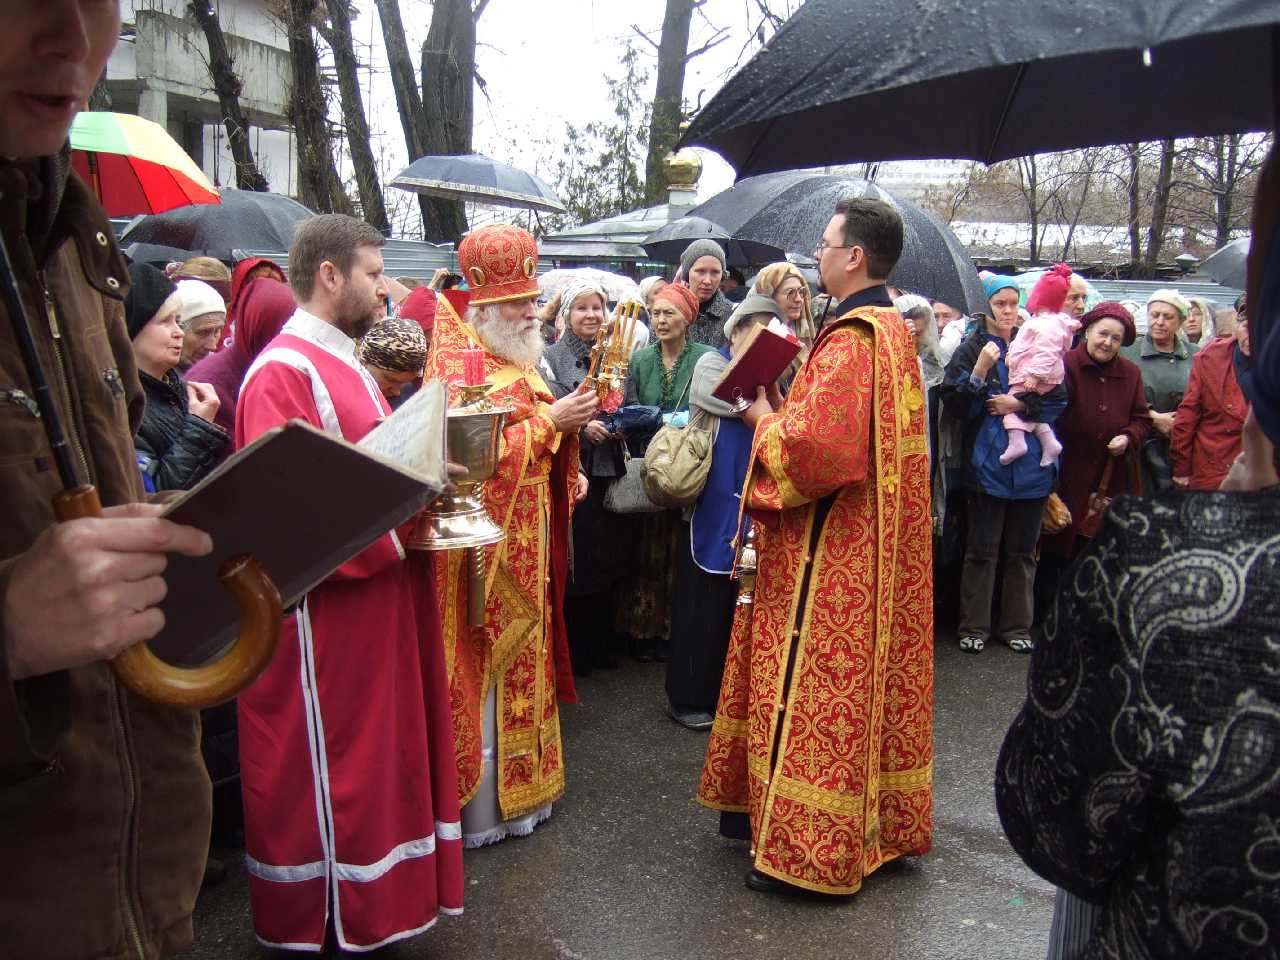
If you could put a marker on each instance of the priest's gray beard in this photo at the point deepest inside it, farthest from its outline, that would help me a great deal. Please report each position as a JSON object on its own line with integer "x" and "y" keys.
{"x": 503, "y": 339}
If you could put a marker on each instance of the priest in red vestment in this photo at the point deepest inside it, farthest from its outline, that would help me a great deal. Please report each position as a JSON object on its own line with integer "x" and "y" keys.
{"x": 823, "y": 735}
{"x": 506, "y": 676}
{"x": 350, "y": 792}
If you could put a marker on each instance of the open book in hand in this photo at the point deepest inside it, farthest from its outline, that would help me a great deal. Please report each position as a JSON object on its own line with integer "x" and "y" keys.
{"x": 764, "y": 357}
{"x": 303, "y": 502}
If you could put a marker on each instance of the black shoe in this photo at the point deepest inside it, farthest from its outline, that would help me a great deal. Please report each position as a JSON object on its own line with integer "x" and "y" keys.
{"x": 763, "y": 883}
{"x": 691, "y": 719}
{"x": 215, "y": 871}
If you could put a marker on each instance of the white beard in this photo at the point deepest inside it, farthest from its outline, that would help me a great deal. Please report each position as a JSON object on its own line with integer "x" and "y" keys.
{"x": 502, "y": 340}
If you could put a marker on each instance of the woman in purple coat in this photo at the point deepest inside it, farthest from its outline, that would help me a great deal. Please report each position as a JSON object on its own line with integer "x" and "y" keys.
{"x": 1106, "y": 418}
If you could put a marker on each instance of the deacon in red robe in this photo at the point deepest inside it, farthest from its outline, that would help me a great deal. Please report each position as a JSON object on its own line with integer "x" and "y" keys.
{"x": 506, "y": 676}
{"x": 823, "y": 735}
{"x": 346, "y": 749}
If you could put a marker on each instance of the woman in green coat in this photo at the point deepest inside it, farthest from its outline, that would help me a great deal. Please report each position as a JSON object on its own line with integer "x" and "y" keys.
{"x": 659, "y": 376}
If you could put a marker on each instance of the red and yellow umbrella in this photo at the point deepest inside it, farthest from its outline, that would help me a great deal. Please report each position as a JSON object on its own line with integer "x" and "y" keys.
{"x": 134, "y": 166}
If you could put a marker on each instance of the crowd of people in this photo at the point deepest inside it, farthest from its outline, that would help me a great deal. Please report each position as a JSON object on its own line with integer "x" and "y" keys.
{"x": 791, "y": 593}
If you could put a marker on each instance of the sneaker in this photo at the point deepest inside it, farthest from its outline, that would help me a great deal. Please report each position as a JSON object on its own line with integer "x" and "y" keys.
{"x": 1020, "y": 644}
{"x": 691, "y": 719}
{"x": 971, "y": 643}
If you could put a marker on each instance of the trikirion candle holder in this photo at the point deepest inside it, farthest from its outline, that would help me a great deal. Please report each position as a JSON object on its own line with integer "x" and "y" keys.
{"x": 457, "y": 519}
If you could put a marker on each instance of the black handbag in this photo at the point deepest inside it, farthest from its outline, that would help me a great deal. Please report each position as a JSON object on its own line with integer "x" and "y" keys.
{"x": 636, "y": 420}
{"x": 1155, "y": 465}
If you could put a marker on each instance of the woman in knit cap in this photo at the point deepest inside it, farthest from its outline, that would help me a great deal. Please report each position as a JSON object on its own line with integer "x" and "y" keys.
{"x": 1004, "y": 502}
{"x": 1165, "y": 361}
{"x": 787, "y": 286}
{"x": 702, "y": 265}
{"x": 660, "y": 376}
{"x": 177, "y": 441}
{"x": 263, "y": 308}
{"x": 203, "y": 317}
{"x": 705, "y": 595}
{"x": 597, "y": 563}
{"x": 1106, "y": 418}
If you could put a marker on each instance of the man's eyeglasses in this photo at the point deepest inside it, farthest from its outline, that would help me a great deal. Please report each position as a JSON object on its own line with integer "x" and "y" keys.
{"x": 823, "y": 245}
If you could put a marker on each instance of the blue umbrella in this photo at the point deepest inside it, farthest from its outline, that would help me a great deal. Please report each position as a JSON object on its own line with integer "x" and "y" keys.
{"x": 478, "y": 179}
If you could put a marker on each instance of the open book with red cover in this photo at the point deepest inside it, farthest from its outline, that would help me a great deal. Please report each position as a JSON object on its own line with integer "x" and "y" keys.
{"x": 767, "y": 354}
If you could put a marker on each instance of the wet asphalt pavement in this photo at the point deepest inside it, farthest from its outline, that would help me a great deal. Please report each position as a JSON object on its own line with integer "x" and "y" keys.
{"x": 631, "y": 868}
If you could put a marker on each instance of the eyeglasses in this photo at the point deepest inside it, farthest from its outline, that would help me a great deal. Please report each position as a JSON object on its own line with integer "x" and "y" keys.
{"x": 795, "y": 293}
{"x": 823, "y": 245}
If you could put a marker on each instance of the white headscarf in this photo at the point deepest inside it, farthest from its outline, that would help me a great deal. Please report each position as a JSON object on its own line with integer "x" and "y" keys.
{"x": 574, "y": 291}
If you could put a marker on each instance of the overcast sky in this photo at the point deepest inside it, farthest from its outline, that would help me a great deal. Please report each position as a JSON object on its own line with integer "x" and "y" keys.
{"x": 545, "y": 62}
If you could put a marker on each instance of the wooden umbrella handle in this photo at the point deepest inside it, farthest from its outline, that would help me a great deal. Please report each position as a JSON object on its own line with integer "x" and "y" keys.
{"x": 195, "y": 688}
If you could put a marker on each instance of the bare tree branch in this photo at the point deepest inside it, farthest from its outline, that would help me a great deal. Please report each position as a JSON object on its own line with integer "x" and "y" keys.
{"x": 645, "y": 37}
{"x": 707, "y": 46}
{"x": 478, "y": 9}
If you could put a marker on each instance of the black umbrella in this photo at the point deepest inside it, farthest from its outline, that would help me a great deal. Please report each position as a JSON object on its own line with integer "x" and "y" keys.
{"x": 843, "y": 82}
{"x": 1227, "y": 265}
{"x": 792, "y": 209}
{"x": 667, "y": 244}
{"x": 158, "y": 254}
{"x": 244, "y": 220}
{"x": 477, "y": 178}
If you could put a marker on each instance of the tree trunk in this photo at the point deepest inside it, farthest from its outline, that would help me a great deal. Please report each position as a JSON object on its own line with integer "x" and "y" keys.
{"x": 668, "y": 97}
{"x": 405, "y": 84}
{"x": 353, "y": 117}
{"x": 1031, "y": 183}
{"x": 227, "y": 86}
{"x": 1159, "y": 210}
{"x": 1134, "y": 191}
{"x": 1228, "y": 167}
{"x": 307, "y": 111}
{"x": 448, "y": 82}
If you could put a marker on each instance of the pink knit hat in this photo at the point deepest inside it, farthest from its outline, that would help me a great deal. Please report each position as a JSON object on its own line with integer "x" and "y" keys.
{"x": 1050, "y": 291}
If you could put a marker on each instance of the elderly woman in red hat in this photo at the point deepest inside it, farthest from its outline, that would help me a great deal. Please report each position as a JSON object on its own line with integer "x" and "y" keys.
{"x": 1106, "y": 419}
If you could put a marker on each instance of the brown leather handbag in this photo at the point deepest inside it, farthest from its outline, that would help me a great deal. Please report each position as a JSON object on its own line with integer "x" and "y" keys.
{"x": 1056, "y": 516}
{"x": 1099, "y": 501}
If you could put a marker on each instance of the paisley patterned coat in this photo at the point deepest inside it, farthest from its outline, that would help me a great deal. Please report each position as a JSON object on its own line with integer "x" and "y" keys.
{"x": 1143, "y": 772}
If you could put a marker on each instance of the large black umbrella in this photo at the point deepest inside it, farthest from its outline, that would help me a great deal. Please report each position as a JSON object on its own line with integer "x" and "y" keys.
{"x": 792, "y": 209}
{"x": 667, "y": 244}
{"x": 244, "y": 220}
{"x": 1227, "y": 265}
{"x": 477, "y": 178}
{"x": 846, "y": 81}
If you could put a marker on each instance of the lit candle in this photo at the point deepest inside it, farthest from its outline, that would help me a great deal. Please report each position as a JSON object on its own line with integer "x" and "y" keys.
{"x": 472, "y": 367}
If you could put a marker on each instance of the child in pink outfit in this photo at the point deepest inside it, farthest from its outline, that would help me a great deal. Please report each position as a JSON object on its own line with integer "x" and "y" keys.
{"x": 1035, "y": 361}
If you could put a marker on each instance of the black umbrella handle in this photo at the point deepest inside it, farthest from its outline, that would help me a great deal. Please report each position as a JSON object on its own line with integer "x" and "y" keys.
{"x": 35, "y": 373}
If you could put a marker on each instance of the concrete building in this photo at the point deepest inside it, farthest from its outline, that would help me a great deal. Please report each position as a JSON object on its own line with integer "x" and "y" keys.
{"x": 159, "y": 71}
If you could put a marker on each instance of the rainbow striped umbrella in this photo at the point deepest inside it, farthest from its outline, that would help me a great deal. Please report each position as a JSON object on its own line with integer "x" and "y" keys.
{"x": 134, "y": 166}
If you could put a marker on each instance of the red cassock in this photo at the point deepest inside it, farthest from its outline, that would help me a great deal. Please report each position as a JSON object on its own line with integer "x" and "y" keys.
{"x": 346, "y": 741}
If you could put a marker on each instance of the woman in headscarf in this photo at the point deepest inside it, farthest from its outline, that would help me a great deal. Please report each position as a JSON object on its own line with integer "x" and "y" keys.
{"x": 596, "y": 563}
{"x": 790, "y": 291}
{"x": 1106, "y": 419}
{"x": 705, "y": 594}
{"x": 394, "y": 351}
{"x": 246, "y": 271}
{"x": 265, "y": 305}
{"x": 659, "y": 376}
{"x": 1198, "y": 328}
{"x": 1165, "y": 361}
{"x": 177, "y": 442}
{"x": 1005, "y": 501}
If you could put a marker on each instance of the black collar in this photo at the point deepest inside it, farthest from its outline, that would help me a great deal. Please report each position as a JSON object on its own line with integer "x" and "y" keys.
{"x": 877, "y": 296}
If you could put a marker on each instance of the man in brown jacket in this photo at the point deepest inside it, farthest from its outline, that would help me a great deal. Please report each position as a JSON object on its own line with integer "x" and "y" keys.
{"x": 104, "y": 802}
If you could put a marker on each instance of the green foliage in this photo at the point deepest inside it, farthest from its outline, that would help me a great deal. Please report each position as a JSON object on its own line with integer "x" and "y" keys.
{"x": 599, "y": 169}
